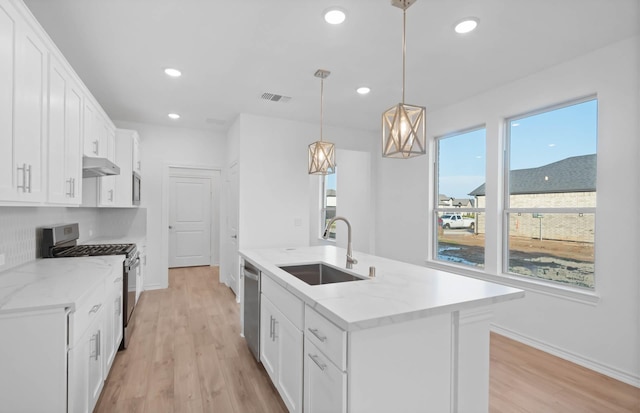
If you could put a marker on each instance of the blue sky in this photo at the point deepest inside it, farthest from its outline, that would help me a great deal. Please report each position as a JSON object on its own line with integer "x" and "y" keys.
{"x": 535, "y": 141}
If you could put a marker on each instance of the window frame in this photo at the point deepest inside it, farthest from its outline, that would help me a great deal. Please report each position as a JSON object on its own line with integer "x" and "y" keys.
{"x": 507, "y": 209}
{"x": 323, "y": 205}
{"x": 436, "y": 199}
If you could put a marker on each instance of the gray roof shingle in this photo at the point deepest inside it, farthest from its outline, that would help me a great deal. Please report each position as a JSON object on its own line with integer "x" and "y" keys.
{"x": 575, "y": 174}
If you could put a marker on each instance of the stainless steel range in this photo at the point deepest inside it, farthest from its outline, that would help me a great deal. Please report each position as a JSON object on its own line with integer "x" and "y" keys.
{"x": 60, "y": 241}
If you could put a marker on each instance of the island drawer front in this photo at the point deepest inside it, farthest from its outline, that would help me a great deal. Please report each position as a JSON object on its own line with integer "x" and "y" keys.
{"x": 86, "y": 311}
{"x": 288, "y": 304}
{"x": 328, "y": 337}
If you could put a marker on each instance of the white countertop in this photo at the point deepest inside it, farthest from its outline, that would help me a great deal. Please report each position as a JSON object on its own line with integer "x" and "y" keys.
{"x": 399, "y": 292}
{"x": 54, "y": 282}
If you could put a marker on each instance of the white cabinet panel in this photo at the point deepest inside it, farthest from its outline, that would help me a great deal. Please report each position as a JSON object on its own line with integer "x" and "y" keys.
{"x": 325, "y": 386}
{"x": 8, "y": 173}
{"x": 29, "y": 116}
{"x": 281, "y": 348}
{"x": 65, "y": 110}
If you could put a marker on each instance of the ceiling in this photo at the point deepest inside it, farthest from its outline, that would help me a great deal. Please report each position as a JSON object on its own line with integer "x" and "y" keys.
{"x": 230, "y": 53}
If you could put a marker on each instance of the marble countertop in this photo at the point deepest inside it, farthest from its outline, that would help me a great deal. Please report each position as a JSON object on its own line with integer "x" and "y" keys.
{"x": 49, "y": 283}
{"x": 399, "y": 292}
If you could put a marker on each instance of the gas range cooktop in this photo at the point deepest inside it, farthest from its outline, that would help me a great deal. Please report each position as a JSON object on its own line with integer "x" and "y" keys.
{"x": 93, "y": 250}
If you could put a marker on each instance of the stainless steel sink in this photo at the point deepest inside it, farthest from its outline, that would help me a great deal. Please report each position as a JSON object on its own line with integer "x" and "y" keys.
{"x": 317, "y": 274}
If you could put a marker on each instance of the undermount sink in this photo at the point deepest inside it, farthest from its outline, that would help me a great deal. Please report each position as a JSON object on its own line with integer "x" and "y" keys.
{"x": 318, "y": 274}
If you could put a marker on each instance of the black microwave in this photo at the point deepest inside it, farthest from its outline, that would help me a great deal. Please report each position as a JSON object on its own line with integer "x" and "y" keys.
{"x": 136, "y": 189}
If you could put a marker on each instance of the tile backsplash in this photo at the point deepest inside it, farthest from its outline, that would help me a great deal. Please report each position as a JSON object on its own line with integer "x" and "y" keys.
{"x": 20, "y": 228}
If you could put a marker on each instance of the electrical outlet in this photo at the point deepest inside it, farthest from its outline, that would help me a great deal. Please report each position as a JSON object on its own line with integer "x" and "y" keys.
{"x": 297, "y": 222}
{"x": 91, "y": 233}
{"x": 2, "y": 260}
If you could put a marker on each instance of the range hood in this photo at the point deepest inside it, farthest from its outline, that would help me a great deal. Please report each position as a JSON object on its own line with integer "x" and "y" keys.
{"x": 92, "y": 167}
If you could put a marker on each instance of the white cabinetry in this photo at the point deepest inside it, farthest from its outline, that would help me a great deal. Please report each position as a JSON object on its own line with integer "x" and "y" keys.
{"x": 141, "y": 270}
{"x": 281, "y": 341}
{"x": 33, "y": 373}
{"x": 325, "y": 385}
{"x": 113, "y": 321}
{"x": 65, "y": 134}
{"x": 23, "y": 74}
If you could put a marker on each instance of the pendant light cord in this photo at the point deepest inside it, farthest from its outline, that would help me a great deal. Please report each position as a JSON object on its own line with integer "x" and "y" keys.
{"x": 404, "y": 47}
{"x": 321, "y": 104}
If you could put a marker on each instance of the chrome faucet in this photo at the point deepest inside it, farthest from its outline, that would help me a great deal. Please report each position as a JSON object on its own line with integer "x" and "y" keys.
{"x": 350, "y": 259}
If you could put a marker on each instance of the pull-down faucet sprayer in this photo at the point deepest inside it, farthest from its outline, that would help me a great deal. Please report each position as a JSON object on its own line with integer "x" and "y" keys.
{"x": 350, "y": 259}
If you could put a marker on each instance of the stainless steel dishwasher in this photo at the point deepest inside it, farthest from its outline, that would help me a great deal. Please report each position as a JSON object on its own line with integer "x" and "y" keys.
{"x": 251, "y": 276}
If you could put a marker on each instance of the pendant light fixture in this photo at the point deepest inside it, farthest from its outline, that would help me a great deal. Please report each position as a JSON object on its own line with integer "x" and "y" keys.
{"x": 403, "y": 126}
{"x": 322, "y": 155}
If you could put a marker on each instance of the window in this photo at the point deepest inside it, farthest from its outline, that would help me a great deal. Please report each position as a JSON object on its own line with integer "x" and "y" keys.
{"x": 459, "y": 218}
{"x": 550, "y": 194}
{"x": 328, "y": 203}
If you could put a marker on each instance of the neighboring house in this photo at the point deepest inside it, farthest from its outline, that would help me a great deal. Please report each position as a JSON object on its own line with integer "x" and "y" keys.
{"x": 567, "y": 183}
{"x": 446, "y": 201}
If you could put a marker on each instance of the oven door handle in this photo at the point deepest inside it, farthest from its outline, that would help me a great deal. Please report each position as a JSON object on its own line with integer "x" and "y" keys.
{"x": 134, "y": 264}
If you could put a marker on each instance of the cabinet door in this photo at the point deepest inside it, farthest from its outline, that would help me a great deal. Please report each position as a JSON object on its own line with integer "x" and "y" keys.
{"x": 8, "y": 173}
{"x": 107, "y": 193}
{"x": 73, "y": 141}
{"x": 325, "y": 386}
{"x": 137, "y": 164}
{"x": 30, "y": 88}
{"x": 59, "y": 185}
{"x": 290, "y": 342}
{"x": 268, "y": 345}
{"x": 95, "y": 378}
{"x": 90, "y": 129}
{"x": 113, "y": 325}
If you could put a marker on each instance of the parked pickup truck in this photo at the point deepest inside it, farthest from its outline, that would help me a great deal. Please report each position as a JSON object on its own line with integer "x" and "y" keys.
{"x": 457, "y": 221}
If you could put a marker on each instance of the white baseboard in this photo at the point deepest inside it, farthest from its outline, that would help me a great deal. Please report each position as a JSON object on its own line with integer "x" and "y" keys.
{"x": 612, "y": 372}
{"x": 155, "y": 287}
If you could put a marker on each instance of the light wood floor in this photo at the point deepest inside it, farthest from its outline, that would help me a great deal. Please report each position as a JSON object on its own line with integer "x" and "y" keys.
{"x": 186, "y": 355}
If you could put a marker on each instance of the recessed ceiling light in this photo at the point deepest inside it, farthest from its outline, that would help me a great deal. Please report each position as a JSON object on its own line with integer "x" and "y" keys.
{"x": 172, "y": 72}
{"x": 174, "y": 116}
{"x": 467, "y": 25}
{"x": 334, "y": 15}
{"x": 363, "y": 90}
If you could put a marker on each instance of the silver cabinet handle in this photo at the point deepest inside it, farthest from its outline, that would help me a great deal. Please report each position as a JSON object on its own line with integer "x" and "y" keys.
{"x": 24, "y": 178}
{"x": 73, "y": 187}
{"x": 95, "y": 308}
{"x": 98, "y": 344}
{"x": 70, "y": 182}
{"x": 139, "y": 166}
{"x": 271, "y": 327}
{"x": 317, "y": 361}
{"x": 29, "y": 170}
{"x": 316, "y": 333}
{"x": 96, "y": 145}
{"x": 110, "y": 194}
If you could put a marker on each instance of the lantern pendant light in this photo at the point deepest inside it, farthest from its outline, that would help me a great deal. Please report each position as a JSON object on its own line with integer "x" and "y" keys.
{"x": 322, "y": 155}
{"x": 403, "y": 126}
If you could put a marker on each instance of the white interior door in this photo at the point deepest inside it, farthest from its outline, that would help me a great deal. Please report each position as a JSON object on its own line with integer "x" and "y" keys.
{"x": 233, "y": 205}
{"x": 189, "y": 221}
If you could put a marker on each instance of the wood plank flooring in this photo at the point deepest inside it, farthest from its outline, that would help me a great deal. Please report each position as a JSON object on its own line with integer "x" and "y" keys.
{"x": 186, "y": 355}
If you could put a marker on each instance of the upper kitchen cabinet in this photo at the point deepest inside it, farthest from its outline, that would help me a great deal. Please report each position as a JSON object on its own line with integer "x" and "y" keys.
{"x": 99, "y": 133}
{"x": 65, "y": 136}
{"x": 127, "y": 158}
{"x": 23, "y": 105}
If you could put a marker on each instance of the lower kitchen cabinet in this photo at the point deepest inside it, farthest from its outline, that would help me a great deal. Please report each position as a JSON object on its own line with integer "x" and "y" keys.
{"x": 33, "y": 372}
{"x": 113, "y": 323}
{"x": 281, "y": 345}
{"x": 325, "y": 386}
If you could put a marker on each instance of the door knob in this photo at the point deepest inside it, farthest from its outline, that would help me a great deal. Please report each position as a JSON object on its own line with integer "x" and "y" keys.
{"x": 234, "y": 236}
{"x": 170, "y": 227}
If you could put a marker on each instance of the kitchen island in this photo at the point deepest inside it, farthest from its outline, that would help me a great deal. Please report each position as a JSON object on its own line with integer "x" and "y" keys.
{"x": 410, "y": 339}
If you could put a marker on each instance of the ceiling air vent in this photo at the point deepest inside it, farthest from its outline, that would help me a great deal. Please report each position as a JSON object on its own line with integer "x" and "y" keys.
{"x": 275, "y": 98}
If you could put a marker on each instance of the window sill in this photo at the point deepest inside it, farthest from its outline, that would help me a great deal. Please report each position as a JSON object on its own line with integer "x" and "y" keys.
{"x": 559, "y": 291}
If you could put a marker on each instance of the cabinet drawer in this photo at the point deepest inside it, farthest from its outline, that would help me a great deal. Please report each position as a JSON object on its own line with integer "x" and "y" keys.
{"x": 288, "y": 304}
{"x": 86, "y": 311}
{"x": 325, "y": 386}
{"x": 329, "y": 338}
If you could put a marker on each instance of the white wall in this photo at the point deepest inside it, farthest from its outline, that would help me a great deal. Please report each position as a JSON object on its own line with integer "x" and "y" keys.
{"x": 275, "y": 188}
{"x": 604, "y": 336}
{"x": 161, "y": 147}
